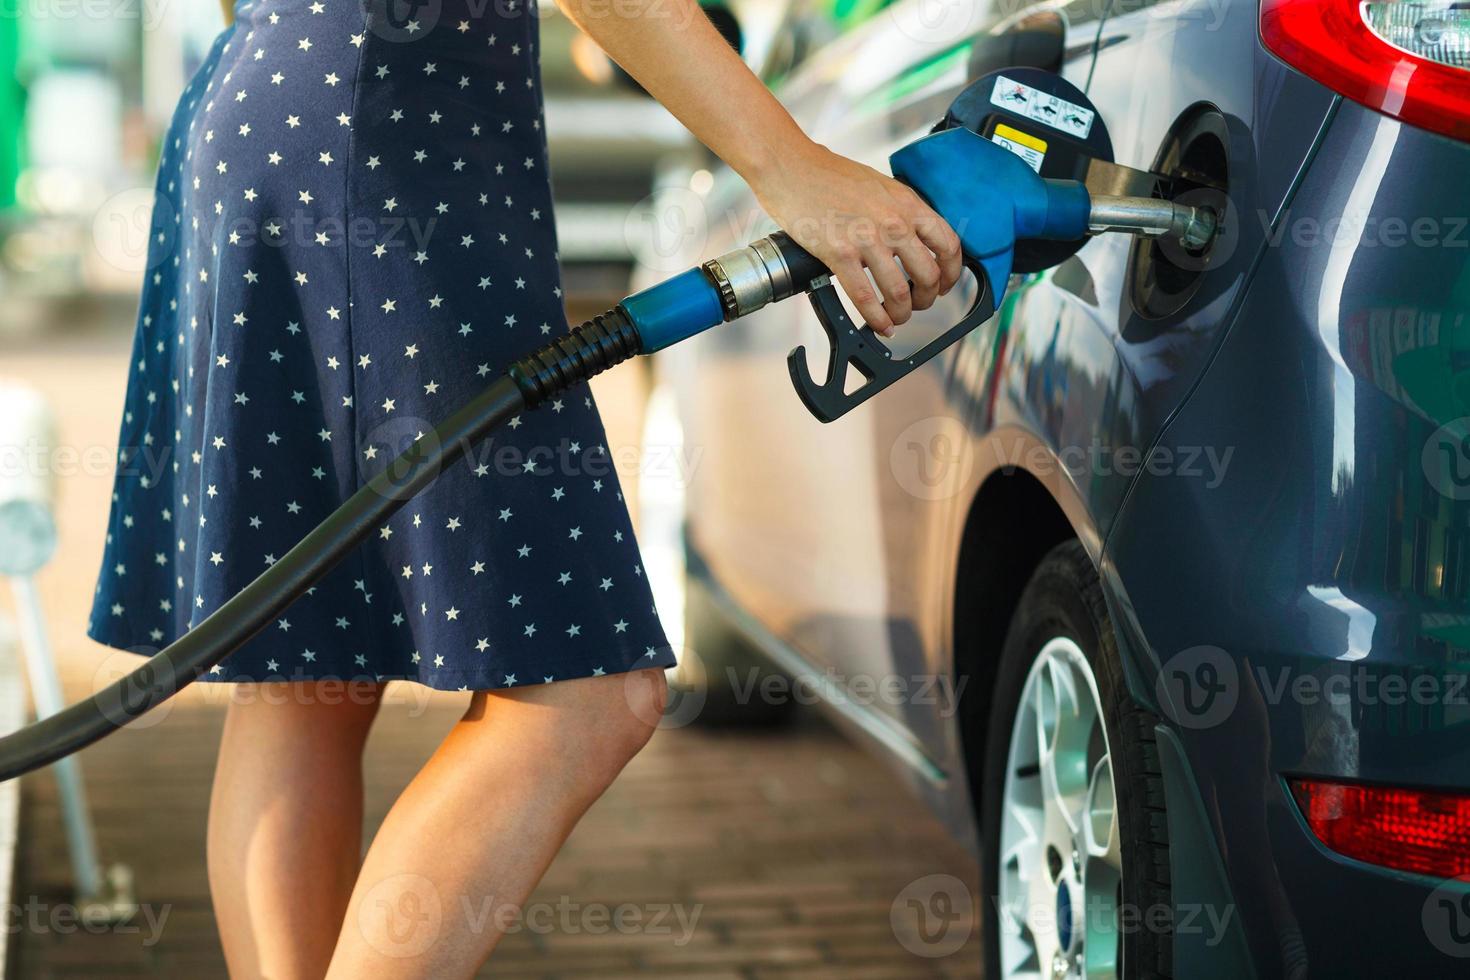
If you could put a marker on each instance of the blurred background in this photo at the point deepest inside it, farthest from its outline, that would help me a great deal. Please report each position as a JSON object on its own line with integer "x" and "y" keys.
{"x": 773, "y": 847}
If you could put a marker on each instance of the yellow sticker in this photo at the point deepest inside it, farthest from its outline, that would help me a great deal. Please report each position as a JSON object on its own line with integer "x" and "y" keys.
{"x": 1023, "y": 145}
{"x": 1016, "y": 136}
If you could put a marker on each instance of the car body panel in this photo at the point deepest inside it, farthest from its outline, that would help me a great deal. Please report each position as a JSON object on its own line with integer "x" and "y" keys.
{"x": 1153, "y": 66}
{"x": 1335, "y": 549}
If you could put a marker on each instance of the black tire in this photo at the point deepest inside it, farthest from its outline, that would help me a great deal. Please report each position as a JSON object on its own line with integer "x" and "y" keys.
{"x": 1064, "y": 599}
{"x": 727, "y": 668}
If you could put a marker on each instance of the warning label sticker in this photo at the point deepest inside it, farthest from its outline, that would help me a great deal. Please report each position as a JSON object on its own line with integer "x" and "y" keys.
{"x": 1023, "y": 145}
{"x": 1032, "y": 103}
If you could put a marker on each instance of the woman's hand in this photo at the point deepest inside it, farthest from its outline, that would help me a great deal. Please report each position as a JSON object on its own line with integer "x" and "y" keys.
{"x": 851, "y": 216}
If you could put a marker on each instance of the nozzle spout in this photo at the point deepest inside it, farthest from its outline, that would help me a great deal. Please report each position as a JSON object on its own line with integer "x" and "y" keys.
{"x": 1152, "y": 217}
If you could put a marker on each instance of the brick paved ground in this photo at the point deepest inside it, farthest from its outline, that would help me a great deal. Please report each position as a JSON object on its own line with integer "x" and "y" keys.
{"x": 790, "y": 847}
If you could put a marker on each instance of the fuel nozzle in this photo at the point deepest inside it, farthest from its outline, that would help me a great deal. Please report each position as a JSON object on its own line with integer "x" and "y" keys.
{"x": 1152, "y": 217}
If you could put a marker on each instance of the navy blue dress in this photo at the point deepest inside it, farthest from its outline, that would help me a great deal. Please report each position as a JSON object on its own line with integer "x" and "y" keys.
{"x": 352, "y": 235}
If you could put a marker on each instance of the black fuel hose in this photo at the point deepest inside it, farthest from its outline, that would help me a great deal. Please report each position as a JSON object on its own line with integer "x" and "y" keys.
{"x": 591, "y": 348}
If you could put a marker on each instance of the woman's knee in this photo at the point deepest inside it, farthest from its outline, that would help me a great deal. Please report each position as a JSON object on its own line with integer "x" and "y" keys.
{"x": 628, "y": 713}
{"x": 618, "y": 714}
{"x": 598, "y": 722}
{"x": 646, "y": 693}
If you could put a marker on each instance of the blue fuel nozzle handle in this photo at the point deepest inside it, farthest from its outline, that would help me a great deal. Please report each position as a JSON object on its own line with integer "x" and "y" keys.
{"x": 992, "y": 199}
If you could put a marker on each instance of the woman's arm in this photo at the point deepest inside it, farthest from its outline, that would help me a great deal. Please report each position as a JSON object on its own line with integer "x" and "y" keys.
{"x": 847, "y": 215}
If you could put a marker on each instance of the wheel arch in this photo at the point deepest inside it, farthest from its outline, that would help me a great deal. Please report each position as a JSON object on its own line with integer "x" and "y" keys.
{"x": 1013, "y": 520}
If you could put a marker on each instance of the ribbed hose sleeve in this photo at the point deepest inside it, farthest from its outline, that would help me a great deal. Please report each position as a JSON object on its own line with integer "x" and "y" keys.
{"x": 603, "y": 341}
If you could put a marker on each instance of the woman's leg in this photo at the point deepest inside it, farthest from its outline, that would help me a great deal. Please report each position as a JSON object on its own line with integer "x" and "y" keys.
{"x": 285, "y": 823}
{"x": 473, "y": 833}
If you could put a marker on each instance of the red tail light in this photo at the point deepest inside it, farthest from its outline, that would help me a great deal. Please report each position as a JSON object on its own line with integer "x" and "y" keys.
{"x": 1409, "y": 59}
{"x": 1412, "y": 830}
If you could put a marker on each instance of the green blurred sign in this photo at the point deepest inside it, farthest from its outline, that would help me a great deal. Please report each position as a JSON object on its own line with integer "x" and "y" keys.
{"x": 850, "y": 13}
{"x": 12, "y": 110}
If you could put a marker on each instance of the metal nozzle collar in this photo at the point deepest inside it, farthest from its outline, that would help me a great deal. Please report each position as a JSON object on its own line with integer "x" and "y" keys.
{"x": 749, "y": 278}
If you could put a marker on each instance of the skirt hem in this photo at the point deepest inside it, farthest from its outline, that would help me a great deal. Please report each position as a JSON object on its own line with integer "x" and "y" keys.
{"x": 624, "y": 659}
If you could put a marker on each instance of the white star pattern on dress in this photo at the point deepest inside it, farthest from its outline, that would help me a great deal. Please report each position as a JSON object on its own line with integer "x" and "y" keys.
{"x": 318, "y": 354}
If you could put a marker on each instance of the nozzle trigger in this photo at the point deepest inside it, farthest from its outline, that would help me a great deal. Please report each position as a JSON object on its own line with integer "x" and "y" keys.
{"x": 862, "y": 349}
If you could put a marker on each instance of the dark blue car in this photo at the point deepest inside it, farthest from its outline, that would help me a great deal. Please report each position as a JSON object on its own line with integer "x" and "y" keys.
{"x": 1156, "y": 585}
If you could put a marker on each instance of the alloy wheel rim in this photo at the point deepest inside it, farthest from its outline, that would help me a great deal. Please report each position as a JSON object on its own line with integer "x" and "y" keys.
{"x": 1060, "y": 859}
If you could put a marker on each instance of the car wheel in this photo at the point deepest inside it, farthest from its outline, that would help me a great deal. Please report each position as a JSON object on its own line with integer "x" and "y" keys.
{"x": 1076, "y": 851}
